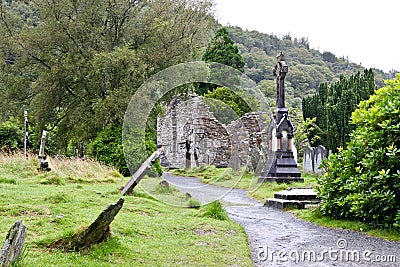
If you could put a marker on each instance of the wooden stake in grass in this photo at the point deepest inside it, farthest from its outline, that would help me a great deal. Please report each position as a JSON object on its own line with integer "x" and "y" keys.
{"x": 26, "y": 134}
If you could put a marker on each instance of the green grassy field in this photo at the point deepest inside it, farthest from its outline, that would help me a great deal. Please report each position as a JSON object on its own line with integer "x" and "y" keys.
{"x": 146, "y": 232}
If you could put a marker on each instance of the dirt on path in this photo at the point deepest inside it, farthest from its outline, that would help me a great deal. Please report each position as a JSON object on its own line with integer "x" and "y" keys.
{"x": 278, "y": 238}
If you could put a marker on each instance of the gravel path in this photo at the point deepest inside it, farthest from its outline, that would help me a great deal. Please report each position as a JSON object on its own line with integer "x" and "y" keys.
{"x": 277, "y": 238}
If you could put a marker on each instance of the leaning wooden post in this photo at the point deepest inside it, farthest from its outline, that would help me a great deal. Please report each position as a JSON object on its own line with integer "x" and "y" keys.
{"x": 100, "y": 229}
{"x": 26, "y": 134}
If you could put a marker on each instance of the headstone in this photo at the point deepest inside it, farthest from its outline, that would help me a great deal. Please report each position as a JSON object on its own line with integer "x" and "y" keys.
{"x": 140, "y": 173}
{"x": 308, "y": 160}
{"x": 100, "y": 230}
{"x": 320, "y": 154}
{"x": 284, "y": 168}
{"x": 164, "y": 183}
{"x": 43, "y": 163}
{"x": 12, "y": 247}
{"x": 254, "y": 158}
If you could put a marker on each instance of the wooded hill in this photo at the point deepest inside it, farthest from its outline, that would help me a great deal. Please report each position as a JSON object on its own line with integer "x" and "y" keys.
{"x": 308, "y": 68}
{"x": 74, "y": 65}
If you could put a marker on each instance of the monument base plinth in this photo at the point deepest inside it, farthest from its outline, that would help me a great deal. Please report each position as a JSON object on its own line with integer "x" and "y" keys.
{"x": 283, "y": 170}
{"x": 281, "y": 180}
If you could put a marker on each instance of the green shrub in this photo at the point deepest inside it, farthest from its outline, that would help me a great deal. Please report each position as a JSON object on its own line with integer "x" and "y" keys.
{"x": 215, "y": 210}
{"x": 50, "y": 178}
{"x": 156, "y": 168}
{"x": 362, "y": 181}
{"x": 5, "y": 180}
{"x": 11, "y": 136}
{"x": 107, "y": 148}
{"x": 57, "y": 198}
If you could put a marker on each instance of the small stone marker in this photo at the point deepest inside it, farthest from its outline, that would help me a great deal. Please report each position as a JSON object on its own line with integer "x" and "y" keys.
{"x": 12, "y": 247}
{"x": 43, "y": 163}
{"x": 308, "y": 160}
{"x": 164, "y": 183}
{"x": 320, "y": 154}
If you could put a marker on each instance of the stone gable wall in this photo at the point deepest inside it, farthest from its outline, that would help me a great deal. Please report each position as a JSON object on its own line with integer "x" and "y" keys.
{"x": 192, "y": 136}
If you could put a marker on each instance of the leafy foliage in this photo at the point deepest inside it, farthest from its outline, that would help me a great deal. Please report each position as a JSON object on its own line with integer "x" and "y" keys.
{"x": 107, "y": 148}
{"x": 76, "y": 64}
{"x": 150, "y": 148}
{"x": 332, "y": 107}
{"x": 215, "y": 210}
{"x": 11, "y": 136}
{"x": 234, "y": 101}
{"x": 221, "y": 49}
{"x": 362, "y": 182}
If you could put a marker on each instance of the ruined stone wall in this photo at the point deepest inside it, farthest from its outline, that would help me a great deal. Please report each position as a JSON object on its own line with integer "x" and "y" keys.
{"x": 192, "y": 136}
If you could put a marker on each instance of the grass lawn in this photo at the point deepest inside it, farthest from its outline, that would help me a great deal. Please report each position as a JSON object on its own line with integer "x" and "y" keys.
{"x": 146, "y": 232}
{"x": 261, "y": 191}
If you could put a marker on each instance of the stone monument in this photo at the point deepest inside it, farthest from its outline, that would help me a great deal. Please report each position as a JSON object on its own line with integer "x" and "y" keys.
{"x": 284, "y": 167}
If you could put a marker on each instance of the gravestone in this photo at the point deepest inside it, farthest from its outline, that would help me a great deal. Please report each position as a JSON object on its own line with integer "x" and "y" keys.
{"x": 308, "y": 160}
{"x": 12, "y": 247}
{"x": 141, "y": 172}
{"x": 320, "y": 154}
{"x": 99, "y": 231}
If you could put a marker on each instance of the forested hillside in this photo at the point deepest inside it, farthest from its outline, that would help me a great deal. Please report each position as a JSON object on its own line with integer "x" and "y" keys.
{"x": 74, "y": 65}
{"x": 308, "y": 68}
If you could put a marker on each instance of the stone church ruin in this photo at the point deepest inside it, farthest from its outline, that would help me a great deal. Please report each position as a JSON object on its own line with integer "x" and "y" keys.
{"x": 191, "y": 136}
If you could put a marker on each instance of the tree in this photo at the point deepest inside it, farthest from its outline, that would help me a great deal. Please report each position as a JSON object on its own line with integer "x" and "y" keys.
{"x": 77, "y": 69}
{"x": 362, "y": 181}
{"x": 236, "y": 105}
{"x": 221, "y": 49}
{"x": 11, "y": 136}
{"x": 332, "y": 107}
